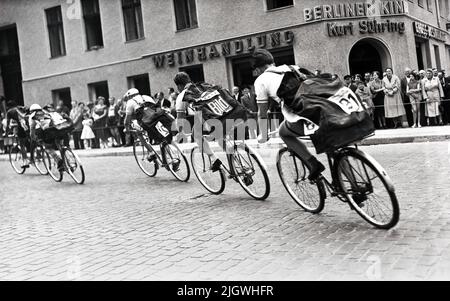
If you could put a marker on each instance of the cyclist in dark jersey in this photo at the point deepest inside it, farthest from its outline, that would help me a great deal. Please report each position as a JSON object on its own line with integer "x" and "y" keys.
{"x": 18, "y": 115}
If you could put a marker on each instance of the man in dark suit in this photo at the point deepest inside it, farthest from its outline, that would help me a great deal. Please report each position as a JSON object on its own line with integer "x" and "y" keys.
{"x": 445, "y": 82}
{"x": 406, "y": 103}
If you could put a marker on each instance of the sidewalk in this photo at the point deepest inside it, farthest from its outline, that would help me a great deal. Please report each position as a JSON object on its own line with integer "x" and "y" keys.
{"x": 394, "y": 136}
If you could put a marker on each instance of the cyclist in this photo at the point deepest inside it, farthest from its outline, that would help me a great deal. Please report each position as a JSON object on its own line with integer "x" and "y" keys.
{"x": 39, "y": 120}
{"x": 18, "y": 115}
{"x": 188, "y": 94}
{"x": 266, "y": 87}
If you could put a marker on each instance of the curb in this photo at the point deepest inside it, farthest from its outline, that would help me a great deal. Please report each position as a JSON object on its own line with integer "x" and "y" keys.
{"x": 275, "y": 144}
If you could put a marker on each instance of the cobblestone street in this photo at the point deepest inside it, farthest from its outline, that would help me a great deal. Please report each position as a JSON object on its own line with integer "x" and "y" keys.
{"x": 122, "y": 225}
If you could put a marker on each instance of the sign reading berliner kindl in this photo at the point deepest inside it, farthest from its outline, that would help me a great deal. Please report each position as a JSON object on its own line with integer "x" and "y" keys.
{"x": 369, "y": 8}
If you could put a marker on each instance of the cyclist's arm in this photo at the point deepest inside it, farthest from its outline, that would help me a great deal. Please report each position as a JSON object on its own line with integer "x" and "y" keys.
{"x": 181, "y": 107}
{"x": 8, "y": 122}
{"x": 129, "y": 112}
{"x": 263, "y": 108}
{"x": 32, "y": 123}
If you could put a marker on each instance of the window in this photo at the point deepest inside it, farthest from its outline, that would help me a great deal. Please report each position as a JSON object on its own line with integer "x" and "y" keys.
{"x": 98, "y": 89}
{"x": 92, "y": 24}
{"x": 132, "y": 18}
{"x": 420, "y": 3}
{"x": 195, "y": 73}
{"x": 185, "y": 14}
{"x": 429, "y": 5}
{"x": 62, "y": 95}
{"x": 140, "y": 82}
{"x": 274, "y": 4}
{"x": 55, "y": 31}
{"x": 437, "y": 56}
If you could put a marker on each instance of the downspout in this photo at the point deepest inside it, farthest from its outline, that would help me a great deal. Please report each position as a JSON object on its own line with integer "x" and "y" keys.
{"x": 438, "y": 13}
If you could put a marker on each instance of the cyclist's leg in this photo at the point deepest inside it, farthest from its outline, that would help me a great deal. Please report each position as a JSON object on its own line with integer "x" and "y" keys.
{"x": 289, "y": 133}
{"x": 203, "y": 143}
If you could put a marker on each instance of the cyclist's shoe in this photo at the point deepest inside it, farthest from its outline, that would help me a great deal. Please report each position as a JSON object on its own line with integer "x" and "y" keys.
{"x": 25, "y": 164}
{"x": 151, "y": 157}
{"x": 316, "y": 168}
{"x": 176, "y": 165}
{"x": 248, "y": 180}
{"x": 216, "y": 165}
{"x": 359, "y": 199}
{"x": 60, "y": 165}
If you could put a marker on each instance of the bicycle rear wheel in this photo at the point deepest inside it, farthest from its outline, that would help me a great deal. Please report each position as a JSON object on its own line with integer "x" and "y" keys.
{"x": 73, "y": 166}
{"x": 368, "y": 189}
{"x": 294, "y": 176}
{"x": 52, "y": 168}
{"x": 39, "y": 158}
{"x": 176, "y": 162}
{"x": 145, "y": 159}
{"x": 250, "y": 172}
{"x": 16, "y": 159}
{"x": 214, "y": 182}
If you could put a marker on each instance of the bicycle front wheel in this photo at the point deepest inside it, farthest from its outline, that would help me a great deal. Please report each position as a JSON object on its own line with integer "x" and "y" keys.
{"x": 294, "y": 176}
{"x": 176, "y": 162}
{"x": 16, "y": 159}
{"x": 250, "y": 172}
{"x": 52, "y": 168}
{"x": 214, "y": 182}
{"x": 73, "y": 166}
{"x": 368, "y": 189}
{"x": 39, "y": 158}
{"x": 145, "y": 159}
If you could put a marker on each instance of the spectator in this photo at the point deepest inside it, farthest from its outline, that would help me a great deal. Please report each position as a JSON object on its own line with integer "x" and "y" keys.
{"x": 366, "y": 97}
{"x": 162, "y": 101}
{"x": 377, "y": 90}
{"x": 2, "y": 144}
{"x": 100, "y": 116}
{"x": 113, "y": 122}
{"x": 249, "y": 102}
{"x": 393, "y": 104}
{"x": 367, "y": 78}
{"x": 62, "y": 108}
{"x": 414, "y": 92}
{"x": 445, "y": 82}
{"x": 87, "y": 135}
{"x": 432, "y": 94}
{"x": 349, "y": 83}
{"x": 405, "y": 98}
{"x": 237, "y": 94}
{"x": 76, "y": 114}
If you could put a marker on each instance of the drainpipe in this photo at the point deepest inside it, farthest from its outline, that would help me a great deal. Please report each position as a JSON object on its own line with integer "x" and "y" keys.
{"x": 438, "y": 13}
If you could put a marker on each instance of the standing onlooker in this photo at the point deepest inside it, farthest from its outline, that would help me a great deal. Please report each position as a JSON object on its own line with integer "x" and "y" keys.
{"x": 100, "y": 115}
{"x": 76, "y": 114}
{"x": 87, "y": 135}
{"x": 62, "y": 108}
{"x": 113, "y": 121}
{"x": 249, "y": 102}
{"x": 162, "y": 101}
{"x": 366, "y": 97}
{"x": 432, "y": 94}
{"x": 414, "y": 92}
{"x": 393, "y": 104}
{"x": 423, "y": 119}
{"x": 405, "y": 97}
{"x": 367, "y": 78}
{"x": 348, "y": 82}
{"x": 445, "y": 82}
{"x": 237, "y": 94}
{"x": 377, "y": 90}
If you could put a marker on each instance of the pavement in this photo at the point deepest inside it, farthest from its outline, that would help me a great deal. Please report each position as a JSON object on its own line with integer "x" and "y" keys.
{"x": 122, "y": 225}
{"x": 390, "y": 136}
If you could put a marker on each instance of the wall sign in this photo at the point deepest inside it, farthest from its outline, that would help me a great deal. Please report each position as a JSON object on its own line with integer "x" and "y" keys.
{"x": 228, "y": 48}
{"x": 365, "y": 27}
{"x": 359, "y": 9}
{"x": 425, "y": 31}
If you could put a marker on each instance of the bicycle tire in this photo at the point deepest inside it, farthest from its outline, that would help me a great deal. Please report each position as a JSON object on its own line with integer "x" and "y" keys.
{"x": 172, "y": 151}
{"x": 247, "y": 180}
{"x": 52, "y": 168}
{"x": 301, "y": 201}
{"x": 141, "y": 154}
{"x": 39, "y": 160}
{"x": 16, "y": 159}
{"x": 367, "y": 162}
{"x": 200, "y": 164}
{"x": 72, "y": 164}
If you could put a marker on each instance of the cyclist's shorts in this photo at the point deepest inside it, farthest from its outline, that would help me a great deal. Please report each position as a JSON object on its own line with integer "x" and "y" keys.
{"x": 50, "y": 135}
{"x": 296, "y": 129}
{"x": 232, "y": 119}
{"x": 21, "y": 133}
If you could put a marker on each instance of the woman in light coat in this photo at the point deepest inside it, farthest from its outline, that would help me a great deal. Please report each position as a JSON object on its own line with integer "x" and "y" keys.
{"x": 432, "y": 95}
{"x": 393, "y": 104}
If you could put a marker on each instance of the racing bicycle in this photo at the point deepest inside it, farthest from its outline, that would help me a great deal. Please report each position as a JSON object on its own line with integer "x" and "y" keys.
{"x": 16, "y": 158}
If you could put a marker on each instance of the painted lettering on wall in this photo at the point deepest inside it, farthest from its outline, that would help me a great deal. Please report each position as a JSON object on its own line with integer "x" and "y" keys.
{"x": 365, "y": 27}
{"x": 228, "y": 48}
{"x": 354, "y": 10}
{"x": 428, "y": 32}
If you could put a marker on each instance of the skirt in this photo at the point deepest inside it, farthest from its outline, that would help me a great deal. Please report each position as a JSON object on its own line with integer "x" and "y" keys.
{"x": 87, "y": 133}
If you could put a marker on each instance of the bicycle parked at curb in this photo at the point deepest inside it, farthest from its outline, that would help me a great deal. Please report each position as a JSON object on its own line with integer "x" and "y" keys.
{"x": 16, "y": 158}
{"x": 356, "y": 179}
{"x": 71, "y": 164}
{"x": 149, "y": 161}
{"x": 245, "y": 166}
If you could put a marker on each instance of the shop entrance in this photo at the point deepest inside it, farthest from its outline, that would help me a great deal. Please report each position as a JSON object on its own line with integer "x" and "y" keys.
{"x": 369, "y": 55}
{"x": 11, "y": 72}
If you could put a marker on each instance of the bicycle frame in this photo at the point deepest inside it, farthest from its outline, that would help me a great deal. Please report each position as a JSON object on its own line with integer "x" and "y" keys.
{"x": 143, "y": 137}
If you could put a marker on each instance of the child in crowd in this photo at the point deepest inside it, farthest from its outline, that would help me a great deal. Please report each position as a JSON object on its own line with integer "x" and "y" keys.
{"x": 87, "y": 134}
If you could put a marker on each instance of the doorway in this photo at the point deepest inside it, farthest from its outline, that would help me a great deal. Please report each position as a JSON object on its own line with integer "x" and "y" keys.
{"x": 11, "y": 72}
{"x": 369, "y": 55}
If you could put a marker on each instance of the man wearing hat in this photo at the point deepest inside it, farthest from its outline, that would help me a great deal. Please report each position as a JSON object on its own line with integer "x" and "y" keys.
{"x": 445, "y": 82}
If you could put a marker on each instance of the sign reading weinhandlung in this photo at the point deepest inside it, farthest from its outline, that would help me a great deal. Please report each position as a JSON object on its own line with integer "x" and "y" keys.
{"x": 228, "y": 48}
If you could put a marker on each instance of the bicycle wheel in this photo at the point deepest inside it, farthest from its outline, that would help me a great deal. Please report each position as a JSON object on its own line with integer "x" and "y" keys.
{"x": 294, "y": 176}
{"x": 214, "y": 182}
{"x": 38, "y": 157}
{"x": 146, "y": 162}
{"x": 52, "y": 167}
{"x": 368, "y": 189}
{"x": 250, "y": 172}
{"x": 73, "y": 166}
{"x": 177, "y": 162}
{"x": 16, "y": 159}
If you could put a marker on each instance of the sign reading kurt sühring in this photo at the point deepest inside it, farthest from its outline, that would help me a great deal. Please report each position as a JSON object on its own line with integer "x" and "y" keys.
{"x": 358, "y": 9}
{"x": 365, "y": 27}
